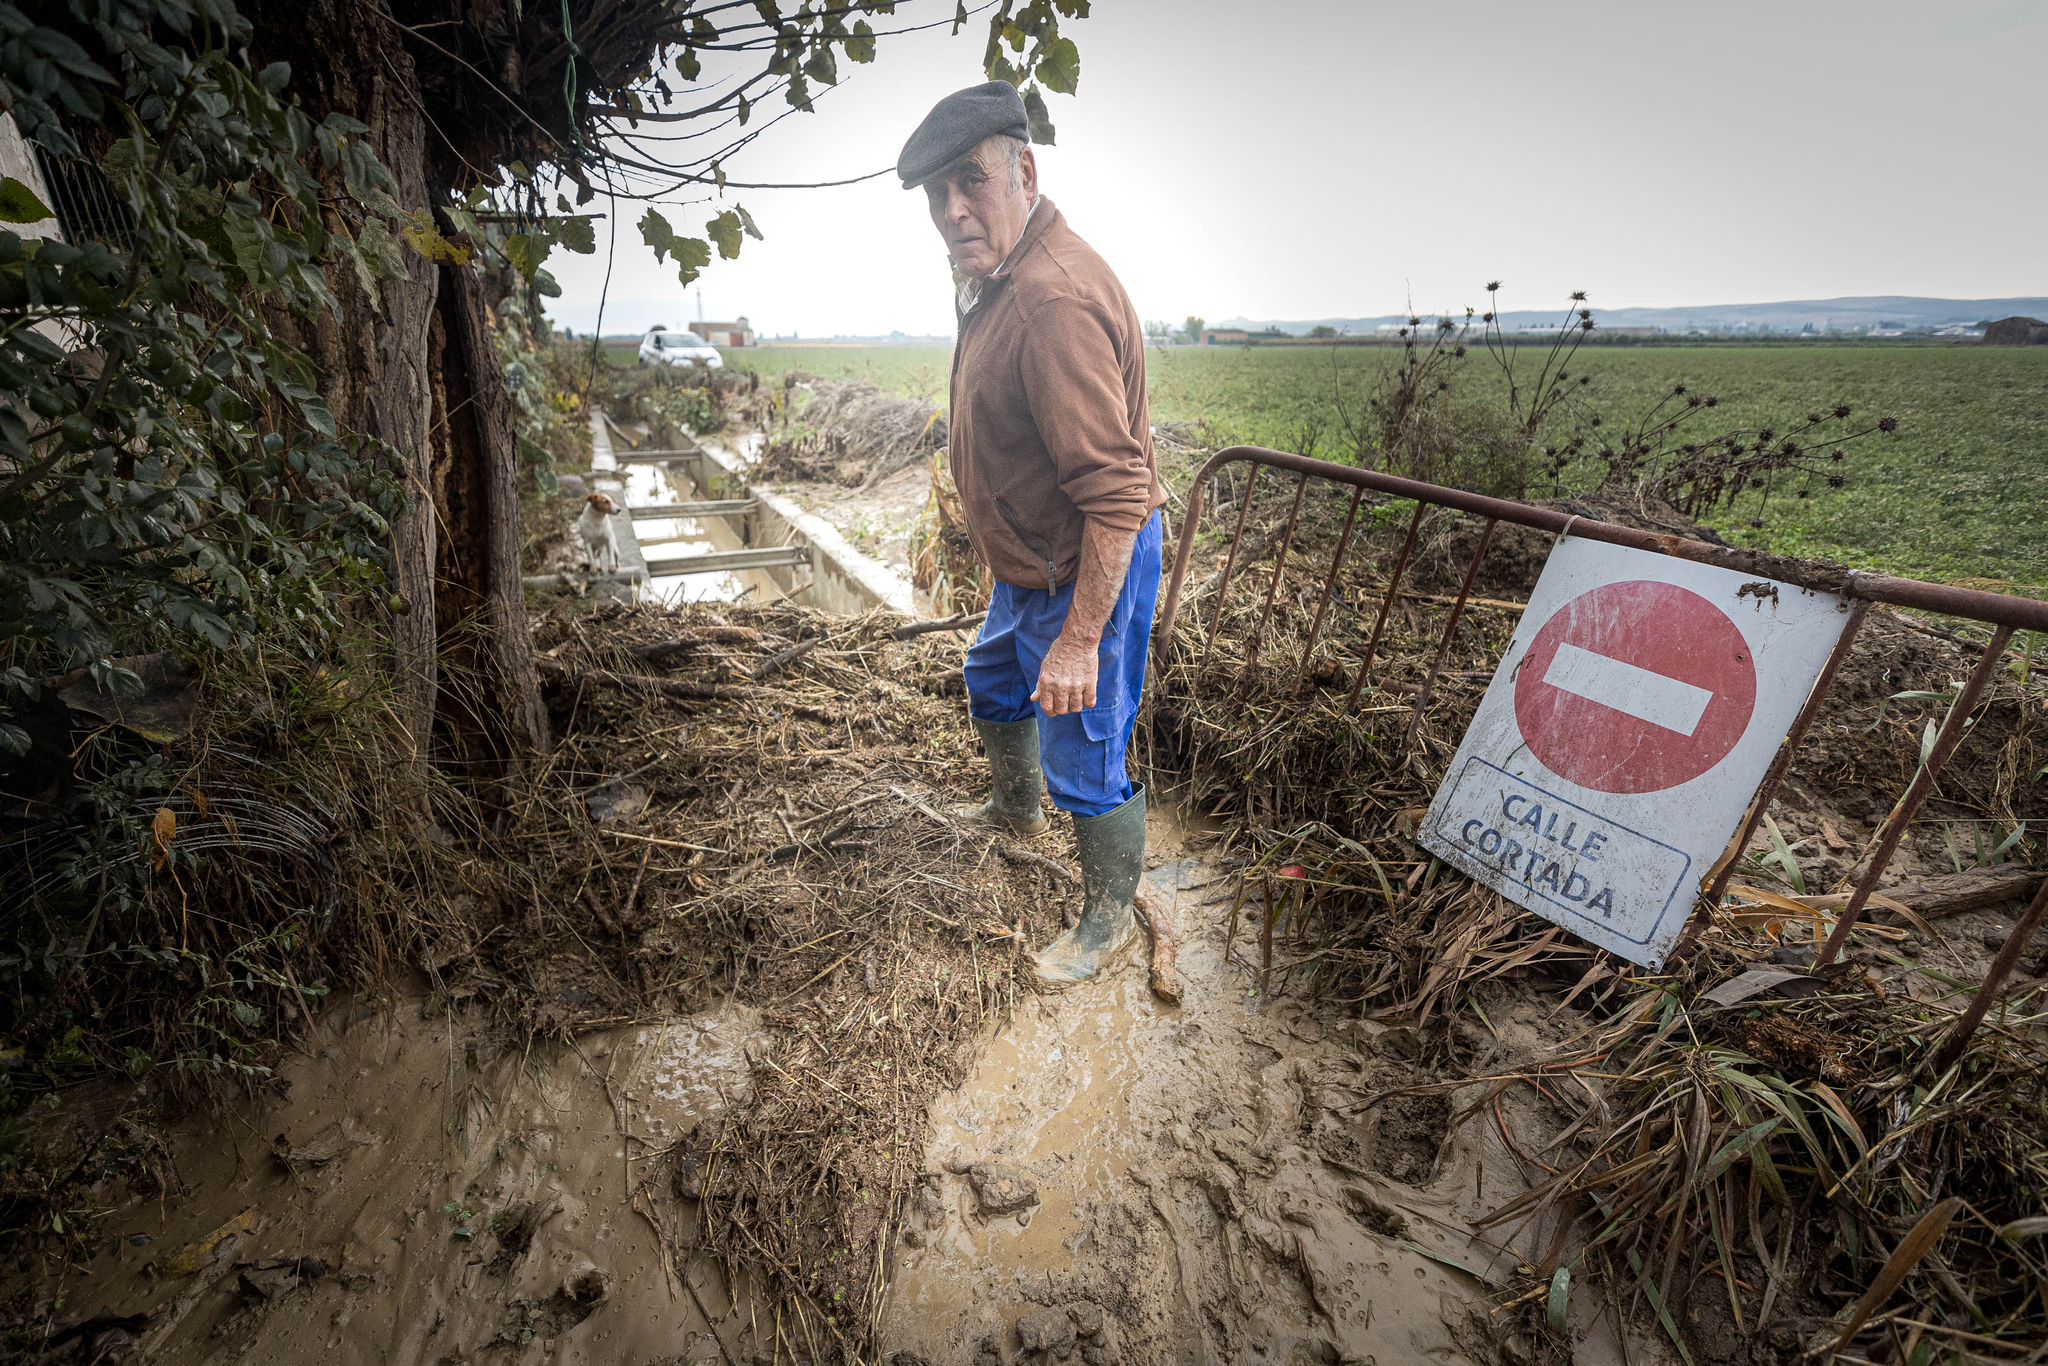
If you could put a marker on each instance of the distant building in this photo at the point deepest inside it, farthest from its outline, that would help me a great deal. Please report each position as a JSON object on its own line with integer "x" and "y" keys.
{"x": 1224, "y": 336}
{"x": 739, "y": 333}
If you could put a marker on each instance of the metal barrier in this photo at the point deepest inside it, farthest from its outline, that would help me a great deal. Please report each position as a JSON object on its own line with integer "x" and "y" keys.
{"x": 2003, "y": 613}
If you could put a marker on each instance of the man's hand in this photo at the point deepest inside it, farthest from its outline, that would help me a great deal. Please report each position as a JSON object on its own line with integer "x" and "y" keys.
{"x": 1066, "y": 681}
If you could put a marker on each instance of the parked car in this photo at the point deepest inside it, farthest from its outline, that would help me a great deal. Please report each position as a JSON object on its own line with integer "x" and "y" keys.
{"x": 662, "y": 347}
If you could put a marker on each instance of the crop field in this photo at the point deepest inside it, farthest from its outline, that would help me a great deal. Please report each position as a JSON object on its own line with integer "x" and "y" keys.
{"x": 1958, "y": 493}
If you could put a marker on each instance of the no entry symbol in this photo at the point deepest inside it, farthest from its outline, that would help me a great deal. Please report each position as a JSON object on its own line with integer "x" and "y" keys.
{"x": 1635, "y": 687}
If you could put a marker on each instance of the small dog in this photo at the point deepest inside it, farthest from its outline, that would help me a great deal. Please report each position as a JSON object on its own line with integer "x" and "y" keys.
{"x": 600, "y": 545}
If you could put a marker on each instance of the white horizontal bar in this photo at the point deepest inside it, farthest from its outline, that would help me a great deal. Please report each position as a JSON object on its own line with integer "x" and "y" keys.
{"x": 712, "y": 507}
{"x": 1671, "y": 703}
{"x": 729, "y": 561}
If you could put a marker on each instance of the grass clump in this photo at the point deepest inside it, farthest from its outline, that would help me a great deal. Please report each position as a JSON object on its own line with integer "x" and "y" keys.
{"x": 1792, "y": 1168}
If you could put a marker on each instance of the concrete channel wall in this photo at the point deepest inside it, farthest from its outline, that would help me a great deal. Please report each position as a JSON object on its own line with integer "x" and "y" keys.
{"x": 821, "y": 569}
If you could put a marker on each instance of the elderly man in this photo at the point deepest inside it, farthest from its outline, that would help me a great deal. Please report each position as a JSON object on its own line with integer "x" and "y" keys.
{"x": 1052, "y": 453}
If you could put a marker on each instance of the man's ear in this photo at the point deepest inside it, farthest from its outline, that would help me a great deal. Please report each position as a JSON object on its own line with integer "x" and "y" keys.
{"x": 1027, "y": 172}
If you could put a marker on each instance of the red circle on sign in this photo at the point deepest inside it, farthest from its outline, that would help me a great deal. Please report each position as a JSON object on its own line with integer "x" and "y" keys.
{"x": 1655, "y": 686}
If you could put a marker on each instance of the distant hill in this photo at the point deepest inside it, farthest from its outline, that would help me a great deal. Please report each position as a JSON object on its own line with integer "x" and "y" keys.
{"x": 1855, "y": 316}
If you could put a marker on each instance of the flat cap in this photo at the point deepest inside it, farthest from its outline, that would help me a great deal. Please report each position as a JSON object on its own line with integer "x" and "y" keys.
{"x": 956, "y": 124}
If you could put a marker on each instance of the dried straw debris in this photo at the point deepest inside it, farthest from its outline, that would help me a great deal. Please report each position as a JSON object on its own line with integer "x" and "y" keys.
{"x": 849, "y": 433}
{"x": 796, "y": 852}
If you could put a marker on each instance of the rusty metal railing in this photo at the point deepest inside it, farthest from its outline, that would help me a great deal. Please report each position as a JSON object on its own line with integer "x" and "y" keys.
{"x": 2004, "y": 614}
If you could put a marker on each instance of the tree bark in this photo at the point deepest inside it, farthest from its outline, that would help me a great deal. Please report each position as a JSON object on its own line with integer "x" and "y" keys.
{"x": 490, "y": 712}
{"x": 414, "y": 366}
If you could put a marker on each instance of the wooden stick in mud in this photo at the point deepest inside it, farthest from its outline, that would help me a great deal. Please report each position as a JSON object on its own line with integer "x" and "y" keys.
{"x": 1031, "y": 857}
{"x": 959, "y": 622}
{"x": 1165, "y": 977}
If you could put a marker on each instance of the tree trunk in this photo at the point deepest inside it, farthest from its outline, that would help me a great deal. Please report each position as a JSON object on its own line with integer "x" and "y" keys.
{"x": 490, "y": 710}
{"x": 415, "y": 367}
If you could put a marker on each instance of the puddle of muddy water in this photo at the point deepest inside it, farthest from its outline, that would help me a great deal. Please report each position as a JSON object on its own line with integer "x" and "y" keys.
{"x": 1208, "y": 1176}
{"x": 457, "y": 1210}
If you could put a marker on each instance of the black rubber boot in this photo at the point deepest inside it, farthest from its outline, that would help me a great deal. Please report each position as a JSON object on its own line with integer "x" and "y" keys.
{"x": 1112, "y": 848}
{"x": 1017, "y": 782}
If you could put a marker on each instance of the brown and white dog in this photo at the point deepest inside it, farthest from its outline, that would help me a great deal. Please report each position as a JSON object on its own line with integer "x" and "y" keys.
{"x": 600, "y": 545}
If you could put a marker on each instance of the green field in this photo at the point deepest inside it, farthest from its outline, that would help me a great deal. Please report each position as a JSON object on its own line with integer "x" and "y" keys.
{"x": 1960, "y": 492}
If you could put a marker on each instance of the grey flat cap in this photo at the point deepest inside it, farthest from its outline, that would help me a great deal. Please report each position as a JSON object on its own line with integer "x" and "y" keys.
{"x": 956, "y": 124}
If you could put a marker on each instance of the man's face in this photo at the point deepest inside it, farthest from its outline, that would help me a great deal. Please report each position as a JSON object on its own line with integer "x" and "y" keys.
{"x": 978, "y": 210}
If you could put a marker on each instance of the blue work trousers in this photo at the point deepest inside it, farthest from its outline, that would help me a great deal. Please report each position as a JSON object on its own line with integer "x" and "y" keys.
{"x": 1083, "y": 753}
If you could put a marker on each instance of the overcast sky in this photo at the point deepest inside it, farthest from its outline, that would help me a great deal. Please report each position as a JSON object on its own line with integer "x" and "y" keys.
{"x": 1292, "y": 159}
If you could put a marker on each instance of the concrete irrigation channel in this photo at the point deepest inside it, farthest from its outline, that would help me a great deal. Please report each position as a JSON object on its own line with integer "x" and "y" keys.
{"x": 692, "y": 528}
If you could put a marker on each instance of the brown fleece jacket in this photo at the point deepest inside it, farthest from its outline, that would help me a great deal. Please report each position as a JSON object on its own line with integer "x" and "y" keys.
{"x": 1048, "y": 422}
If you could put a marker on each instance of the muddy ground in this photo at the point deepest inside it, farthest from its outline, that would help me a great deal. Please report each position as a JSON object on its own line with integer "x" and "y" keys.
{"x": 1209, "y": 1182}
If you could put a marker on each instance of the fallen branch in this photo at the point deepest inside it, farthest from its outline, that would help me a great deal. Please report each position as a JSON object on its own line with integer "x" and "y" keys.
{"x": 656, "y": 839}
{"x": 959, "y": 621}
{"x": 1018, "y": 854}
{"x": 1164, "y": 976}
{"x": 1949, "y": 894}
{"x": 681, "y": 689}
{"x": 789, "y": 656}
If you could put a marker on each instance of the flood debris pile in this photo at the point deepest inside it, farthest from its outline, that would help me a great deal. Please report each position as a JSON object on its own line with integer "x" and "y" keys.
{"x": 850, "y": 433}
{"x": 1756, "y": 1165}
{"x": 773, "y": 785}
{"x": 1248, "y": 728}
{"x": 1783, "y": 1164}
{"x": 944, "y": 564}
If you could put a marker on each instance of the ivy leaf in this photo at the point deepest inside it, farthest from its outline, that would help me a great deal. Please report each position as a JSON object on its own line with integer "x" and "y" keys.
{"x": 423, "y": 237}
{"x": 861, "y": 46}
{"x": 726, "y": 230}
{"x": 656, "y": 232}
{"x": 689, "y": 66}
{"x": 1072, "y": 9}
{"x": 822, "y": 67}
{"x": 526, "y": 251}
{"x": 746, "y": 108}
{"x": 691, "y": 254}
{"x": 747, "y": 222}
{"x": 1035, "y": 113}
{"x": 1060, "y": 67}
{"x": 318, "y": 418}
{"x": 18, "y": 203}
{"x": 959, "y": 18}
{"x": 577, "y": 233}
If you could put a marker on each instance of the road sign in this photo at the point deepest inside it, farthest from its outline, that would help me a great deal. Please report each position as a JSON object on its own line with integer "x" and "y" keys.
{"x": 1624, "y": 735}
{"x": 1635, "y": 687}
